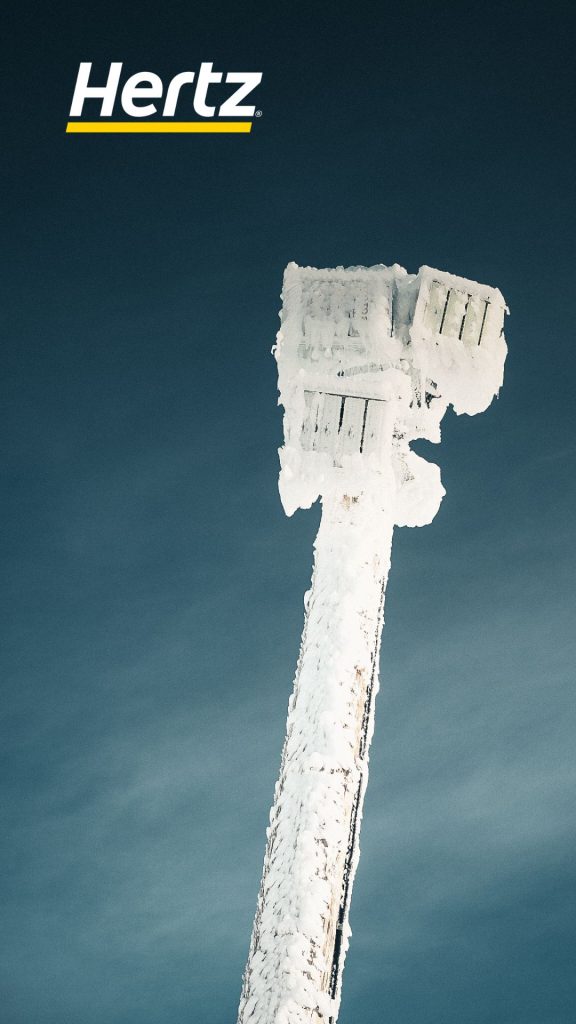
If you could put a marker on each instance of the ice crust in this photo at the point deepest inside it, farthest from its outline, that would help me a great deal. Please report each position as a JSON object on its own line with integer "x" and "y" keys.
{"x": 368, "y": 360}
{"x": 410, "y": 345}
{"x": 323, "y": 775}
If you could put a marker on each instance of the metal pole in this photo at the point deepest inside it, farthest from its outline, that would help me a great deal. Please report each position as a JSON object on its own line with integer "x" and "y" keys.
{"x": 368, "y": 361}
{"x": 296, "y": 958}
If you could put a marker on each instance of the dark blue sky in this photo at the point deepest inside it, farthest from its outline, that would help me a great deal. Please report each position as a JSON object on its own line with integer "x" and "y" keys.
{"x": 152, "y": 585}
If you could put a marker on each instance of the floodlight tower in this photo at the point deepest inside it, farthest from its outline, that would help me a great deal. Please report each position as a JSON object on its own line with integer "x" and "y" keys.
{"x": 368, "y": 360}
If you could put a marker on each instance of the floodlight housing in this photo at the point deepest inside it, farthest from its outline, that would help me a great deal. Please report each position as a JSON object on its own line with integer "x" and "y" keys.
{"x": 368, "y": 360}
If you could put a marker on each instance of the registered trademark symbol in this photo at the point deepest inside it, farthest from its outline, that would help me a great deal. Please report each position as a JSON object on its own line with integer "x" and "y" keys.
{"x": 258, "y": 113}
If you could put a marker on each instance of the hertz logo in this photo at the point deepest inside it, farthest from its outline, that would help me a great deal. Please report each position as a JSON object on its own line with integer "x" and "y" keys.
{"x": 141, "y": 88}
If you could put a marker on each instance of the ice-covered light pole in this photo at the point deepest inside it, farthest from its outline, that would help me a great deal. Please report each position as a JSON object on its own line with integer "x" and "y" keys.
{"x": 368, "y": 360}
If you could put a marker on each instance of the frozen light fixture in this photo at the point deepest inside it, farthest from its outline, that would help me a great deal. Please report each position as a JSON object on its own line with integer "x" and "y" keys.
{"x": 368, "y": 360}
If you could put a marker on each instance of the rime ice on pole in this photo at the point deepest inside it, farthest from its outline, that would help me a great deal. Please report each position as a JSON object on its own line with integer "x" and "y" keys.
{"x": 368, "y": 360}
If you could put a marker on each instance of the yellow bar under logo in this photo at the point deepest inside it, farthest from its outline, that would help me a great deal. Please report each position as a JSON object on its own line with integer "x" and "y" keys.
{"x": 159, "y": 126}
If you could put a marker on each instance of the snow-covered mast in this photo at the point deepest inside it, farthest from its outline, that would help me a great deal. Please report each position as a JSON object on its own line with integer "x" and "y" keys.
{"x": 368, "y": 360}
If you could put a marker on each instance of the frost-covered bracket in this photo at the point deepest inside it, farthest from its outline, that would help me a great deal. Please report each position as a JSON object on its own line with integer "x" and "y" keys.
{"x": 368, "y": 360}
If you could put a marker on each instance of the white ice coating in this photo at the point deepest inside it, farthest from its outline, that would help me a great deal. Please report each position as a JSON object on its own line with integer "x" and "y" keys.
{"x": 368, "y": 360}
{"x": 409, "y": 345}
